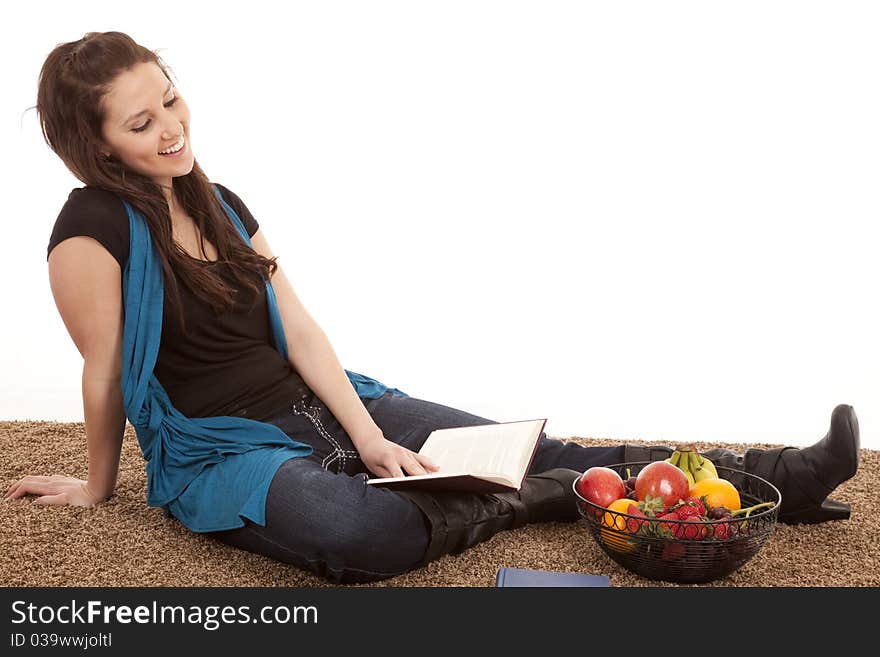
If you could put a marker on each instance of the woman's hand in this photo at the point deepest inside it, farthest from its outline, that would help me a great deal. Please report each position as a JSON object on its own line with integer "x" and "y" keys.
{"x": 388, "y": 459}
{"x": 56, "y": 489}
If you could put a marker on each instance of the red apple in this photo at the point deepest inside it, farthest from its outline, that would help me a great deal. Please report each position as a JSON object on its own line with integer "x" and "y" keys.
{"x": 601, "y": 486}
{"x": 662, "y": 479}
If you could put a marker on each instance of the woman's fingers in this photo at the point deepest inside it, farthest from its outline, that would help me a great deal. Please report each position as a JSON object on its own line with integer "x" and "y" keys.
{"x": 15, "y": 485}
{"x": 51, "y": 499}
{"x": 27, "y": 486}
{"x": 427, "y": 463}
{"x": 25, "y": 481}
{"x": 33, "y": 486}
{"x": 406, "y": 461}
{"x": 398, "y": 461}
{"x": 394, "y": 470}
{"x": 41, "y": 485}
{"x": 419, "y": 465}
{"x": 57, "y": 490}
{"x": 17, "y": 489}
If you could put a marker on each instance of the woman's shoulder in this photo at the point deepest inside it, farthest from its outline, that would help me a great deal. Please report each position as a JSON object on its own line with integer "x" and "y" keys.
{"x": 96, "y": 213}
{"x": 94, "y": 206}
{"x": 94, "y": 199}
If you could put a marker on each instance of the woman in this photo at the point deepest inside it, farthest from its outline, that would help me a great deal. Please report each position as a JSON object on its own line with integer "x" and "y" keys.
{"x": 253, "y": 432}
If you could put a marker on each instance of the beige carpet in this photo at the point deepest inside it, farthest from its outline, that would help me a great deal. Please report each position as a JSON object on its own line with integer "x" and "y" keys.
{"x": 125, "y": 543}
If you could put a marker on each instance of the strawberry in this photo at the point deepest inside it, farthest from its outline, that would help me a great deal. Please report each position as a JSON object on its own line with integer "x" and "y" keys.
{"x": 686, "y": 511}
{"x": 688, "y": 507}
{"x": 692, "y": 529}
{"x": 667, "y": 526}
{"x": 722, "y": 531}
{"x": 697, "y": 503}
{"x": 633, "y": 525}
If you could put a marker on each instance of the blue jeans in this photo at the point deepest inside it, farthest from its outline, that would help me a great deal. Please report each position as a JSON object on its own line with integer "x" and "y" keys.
{"x": 322, "y": 516}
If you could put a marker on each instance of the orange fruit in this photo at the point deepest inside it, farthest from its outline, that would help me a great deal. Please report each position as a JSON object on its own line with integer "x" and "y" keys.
{"x": 718, "y": 492}
{"x": 615, "y": 542}
{"x": 612, "y": 519}
{"x": 612, "y": 540}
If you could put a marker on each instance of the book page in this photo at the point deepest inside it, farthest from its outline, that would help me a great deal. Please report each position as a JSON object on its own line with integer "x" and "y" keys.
{"x": 503, "y": 448}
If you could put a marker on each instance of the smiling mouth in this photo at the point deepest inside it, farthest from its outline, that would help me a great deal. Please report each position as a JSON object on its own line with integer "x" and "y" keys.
{"x": 181, "y": 141}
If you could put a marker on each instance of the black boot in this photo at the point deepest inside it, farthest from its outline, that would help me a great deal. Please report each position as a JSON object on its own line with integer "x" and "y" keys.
{"x": 459, "y": 520}
{"x": 635, "y": 453}
{"x": 806, "y": 476}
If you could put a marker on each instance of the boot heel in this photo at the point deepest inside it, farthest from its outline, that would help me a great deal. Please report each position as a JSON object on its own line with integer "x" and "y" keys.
{"x": 828, "y": 510}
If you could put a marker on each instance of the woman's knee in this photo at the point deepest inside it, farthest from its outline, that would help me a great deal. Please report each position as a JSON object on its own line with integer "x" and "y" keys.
{"x": 383, "y": 535}
{"x": 345, "y": 529}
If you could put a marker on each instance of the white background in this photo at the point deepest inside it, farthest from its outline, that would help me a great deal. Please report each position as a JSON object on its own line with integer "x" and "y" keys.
{"x": 641, "y": 220}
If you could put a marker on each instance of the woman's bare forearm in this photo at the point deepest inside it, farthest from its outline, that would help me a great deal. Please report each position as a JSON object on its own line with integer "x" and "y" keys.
{"x": 314, "y": 358}
{"x": 105, "y": 426}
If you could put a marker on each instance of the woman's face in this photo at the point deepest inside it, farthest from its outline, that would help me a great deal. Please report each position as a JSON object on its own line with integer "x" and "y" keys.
{"x": 144, "y": 115}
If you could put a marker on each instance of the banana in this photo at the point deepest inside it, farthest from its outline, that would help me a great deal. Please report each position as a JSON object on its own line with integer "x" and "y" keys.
{"x": 682, "y": 460}
{"x": 707, "y": 464}
{"x": 703, "y": 468}
{"x": 686, "y": 464}
{"x": 695, "y": 466}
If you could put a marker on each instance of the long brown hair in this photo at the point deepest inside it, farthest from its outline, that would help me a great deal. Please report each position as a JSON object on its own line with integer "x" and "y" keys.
{"x": 72, "y": 82}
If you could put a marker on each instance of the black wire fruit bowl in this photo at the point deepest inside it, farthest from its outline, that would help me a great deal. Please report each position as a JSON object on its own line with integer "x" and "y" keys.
{"x": 685, "y": 551}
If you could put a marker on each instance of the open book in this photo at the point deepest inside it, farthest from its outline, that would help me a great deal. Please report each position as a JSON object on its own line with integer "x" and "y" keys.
{"x": 487, "y": 458}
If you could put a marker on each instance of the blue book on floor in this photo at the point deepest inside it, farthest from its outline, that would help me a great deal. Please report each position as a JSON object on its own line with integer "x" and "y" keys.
{"x": 528, "y": 577}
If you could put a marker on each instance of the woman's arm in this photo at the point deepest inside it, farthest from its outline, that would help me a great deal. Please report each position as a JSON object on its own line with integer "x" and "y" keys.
{"x": 105, "y": 427}
{"x": 312, "y": 355}
{"x": 314, "y": 358}
{"x": 87, "y": 286}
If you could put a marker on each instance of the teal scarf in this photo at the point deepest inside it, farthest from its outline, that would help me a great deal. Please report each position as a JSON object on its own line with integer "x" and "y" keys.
{"x": 209, "y": 472}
